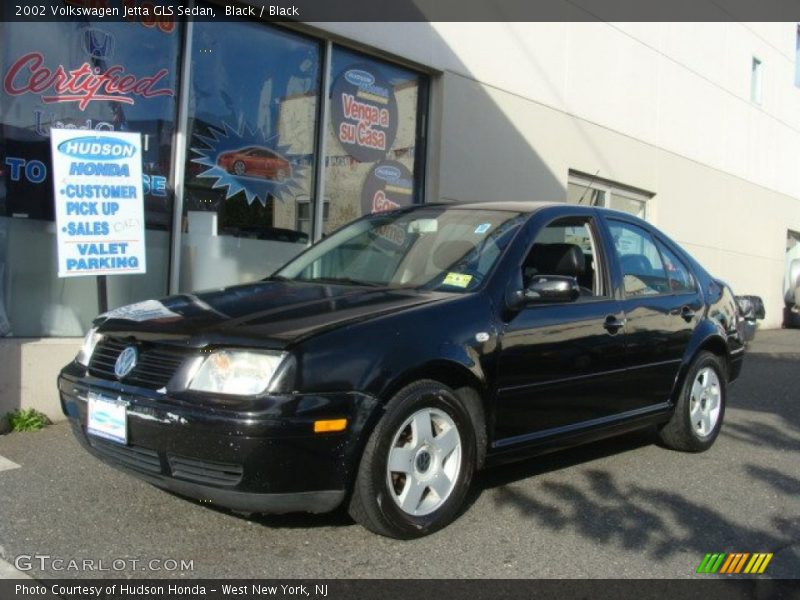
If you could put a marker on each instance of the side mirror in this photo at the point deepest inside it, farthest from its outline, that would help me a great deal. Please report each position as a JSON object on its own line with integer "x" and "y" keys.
{"x": 751, "y": 308}
{"x": 545, "y": 289}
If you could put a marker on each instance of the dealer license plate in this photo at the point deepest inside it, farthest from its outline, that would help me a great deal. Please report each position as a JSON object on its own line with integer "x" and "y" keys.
{"x": 107, "y": 418}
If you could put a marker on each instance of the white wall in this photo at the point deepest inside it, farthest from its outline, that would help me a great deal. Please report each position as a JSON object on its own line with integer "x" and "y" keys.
{"x": 28, "y": 371}
{"x": 660, "y": 106}
{"x": 684, "y": 87}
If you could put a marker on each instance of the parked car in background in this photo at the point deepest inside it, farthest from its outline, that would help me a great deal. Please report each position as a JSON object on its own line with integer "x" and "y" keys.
{"x": 279, "y": 234}
{"x": 751, "y": 310}
{"x": 387, "y": 363}
{"x": 256, "y": 161}
{"x": 791, "y": 311}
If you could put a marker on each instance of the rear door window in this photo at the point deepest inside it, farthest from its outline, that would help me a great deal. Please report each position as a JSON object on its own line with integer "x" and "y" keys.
{"x": 642, "y": 267}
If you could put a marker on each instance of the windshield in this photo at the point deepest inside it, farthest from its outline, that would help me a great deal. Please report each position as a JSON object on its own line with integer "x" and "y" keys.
{"x": 444, "y": 248}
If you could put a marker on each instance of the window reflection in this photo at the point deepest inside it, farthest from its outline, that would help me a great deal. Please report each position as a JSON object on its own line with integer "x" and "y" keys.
{"x": 33, "y": 300}
{"x": 249, "y": 170}
{"x": 371, "y": 162}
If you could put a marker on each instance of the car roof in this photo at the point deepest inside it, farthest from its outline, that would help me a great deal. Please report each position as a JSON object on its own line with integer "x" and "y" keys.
{"x": 531, "y": 206}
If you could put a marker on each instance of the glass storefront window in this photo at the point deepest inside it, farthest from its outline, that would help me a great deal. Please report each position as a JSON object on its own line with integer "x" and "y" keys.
{"x": 305, "y": 216}
{"x": 374, "y": 149}
{"x": 34, "y": 57}
{"x": 250, "y": 197}
{"x": 250, "y": 165}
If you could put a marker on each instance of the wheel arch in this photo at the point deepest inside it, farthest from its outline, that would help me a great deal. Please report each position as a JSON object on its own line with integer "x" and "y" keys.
{"x": 709, "y": 341}
{"x": 469, "y": 388}
{"x": 680, "y": 431}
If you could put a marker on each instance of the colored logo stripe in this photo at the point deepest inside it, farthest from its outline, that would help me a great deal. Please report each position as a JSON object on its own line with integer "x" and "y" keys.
{"x": 711, "y": 563}
{"x": 733, "y": 563}
{"x": 758, "y": 563}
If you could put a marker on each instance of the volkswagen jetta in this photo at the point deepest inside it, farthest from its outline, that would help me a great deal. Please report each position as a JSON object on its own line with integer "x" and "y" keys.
{"x": 384, "y": 365}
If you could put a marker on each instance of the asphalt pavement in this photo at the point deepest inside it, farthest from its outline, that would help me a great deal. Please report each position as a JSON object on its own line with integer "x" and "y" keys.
{"x": 619, "y": 508}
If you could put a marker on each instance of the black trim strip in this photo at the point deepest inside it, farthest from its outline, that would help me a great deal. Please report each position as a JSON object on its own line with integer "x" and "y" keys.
{"x": 575, "y": 427}
{"x": 514, "y": 388}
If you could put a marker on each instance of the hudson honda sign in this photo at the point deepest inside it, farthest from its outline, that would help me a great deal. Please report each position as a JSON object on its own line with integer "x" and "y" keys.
{"x": 99, "y": 207}
{"x": 86, "y": 84}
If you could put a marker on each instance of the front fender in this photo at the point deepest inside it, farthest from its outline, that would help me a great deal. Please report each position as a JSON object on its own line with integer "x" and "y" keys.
{"x": 460, "y": 361}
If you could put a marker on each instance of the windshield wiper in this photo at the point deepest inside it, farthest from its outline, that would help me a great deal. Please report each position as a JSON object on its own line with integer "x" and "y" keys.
{"x": 344, "y": 280}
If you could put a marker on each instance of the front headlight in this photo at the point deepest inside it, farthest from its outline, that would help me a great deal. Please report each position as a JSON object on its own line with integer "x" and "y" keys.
{"x": 238, "y": 372}
{"x": 89, "y": 343}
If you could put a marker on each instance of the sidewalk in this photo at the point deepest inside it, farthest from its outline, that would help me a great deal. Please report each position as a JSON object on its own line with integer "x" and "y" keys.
{"x": 776, "y": 342}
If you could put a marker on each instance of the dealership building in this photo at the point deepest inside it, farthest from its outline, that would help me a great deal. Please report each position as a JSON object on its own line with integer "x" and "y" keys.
{"x": 259, "y": 138}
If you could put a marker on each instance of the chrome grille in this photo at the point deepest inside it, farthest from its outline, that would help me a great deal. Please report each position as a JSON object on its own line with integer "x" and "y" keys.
{"x": 155, "y": 365}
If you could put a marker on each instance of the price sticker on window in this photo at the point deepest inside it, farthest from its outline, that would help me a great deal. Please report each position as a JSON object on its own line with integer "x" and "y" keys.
{"x": 457, "y": 280}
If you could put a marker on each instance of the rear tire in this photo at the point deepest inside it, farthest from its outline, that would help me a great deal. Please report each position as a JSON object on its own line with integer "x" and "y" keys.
{"x": 700, "y": 408}
{"x": 417, "y": 465}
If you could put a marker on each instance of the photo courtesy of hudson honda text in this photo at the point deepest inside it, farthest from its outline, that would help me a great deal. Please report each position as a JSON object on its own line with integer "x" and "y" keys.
{"x": 140, "y": 590}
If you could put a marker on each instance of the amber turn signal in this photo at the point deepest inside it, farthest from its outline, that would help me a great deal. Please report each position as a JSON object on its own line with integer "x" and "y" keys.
{"x": 330, "y": 425}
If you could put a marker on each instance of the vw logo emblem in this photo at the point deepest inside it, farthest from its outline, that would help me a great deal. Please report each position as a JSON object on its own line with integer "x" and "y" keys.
{"x": 423, "y": 461}
{"x": 126, "y": 361}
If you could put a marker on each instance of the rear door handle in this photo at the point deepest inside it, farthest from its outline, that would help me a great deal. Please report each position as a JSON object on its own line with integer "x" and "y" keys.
{"x": 612, "y": 324}
{"x": 687, "y": 314}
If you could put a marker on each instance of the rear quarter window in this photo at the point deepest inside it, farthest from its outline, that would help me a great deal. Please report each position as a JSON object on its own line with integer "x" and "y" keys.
{"x": 679, "y": 277}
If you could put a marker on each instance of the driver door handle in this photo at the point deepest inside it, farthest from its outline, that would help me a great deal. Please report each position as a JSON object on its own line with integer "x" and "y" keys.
{"x": 687, "y": 314}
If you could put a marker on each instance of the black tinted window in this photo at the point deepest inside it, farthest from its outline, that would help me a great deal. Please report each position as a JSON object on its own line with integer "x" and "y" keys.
{"x": 566, "y": 247}
{"x": 679, "y": 277}
{"x": 642, "y": 268}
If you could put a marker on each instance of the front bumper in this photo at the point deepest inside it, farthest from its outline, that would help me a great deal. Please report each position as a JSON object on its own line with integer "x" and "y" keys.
{"x": 266, "y": 460}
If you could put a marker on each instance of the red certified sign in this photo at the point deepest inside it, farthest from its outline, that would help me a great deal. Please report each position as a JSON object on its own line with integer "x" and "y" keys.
{"x": 29, "y": 75}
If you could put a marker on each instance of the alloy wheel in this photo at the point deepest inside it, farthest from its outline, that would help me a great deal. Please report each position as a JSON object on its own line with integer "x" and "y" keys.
{"x": 704, "y": 406}
{"x": 424, "y": 462}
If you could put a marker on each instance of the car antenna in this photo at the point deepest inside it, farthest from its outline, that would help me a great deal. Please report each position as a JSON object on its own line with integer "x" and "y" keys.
{"x": 588, "y": 185}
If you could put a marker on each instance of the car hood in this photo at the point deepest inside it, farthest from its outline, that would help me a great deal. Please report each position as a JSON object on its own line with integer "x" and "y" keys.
{"x": 268, "y": 313}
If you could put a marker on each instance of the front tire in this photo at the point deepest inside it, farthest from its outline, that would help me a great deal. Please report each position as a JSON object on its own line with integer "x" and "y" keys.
{"x": 239, "y": 168}
{"x": 700, "y": 407}
{"x": 417, "y": 465}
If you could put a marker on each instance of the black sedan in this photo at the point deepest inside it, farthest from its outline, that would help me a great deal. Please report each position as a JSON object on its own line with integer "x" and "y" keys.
{"x": 387, "y": 363}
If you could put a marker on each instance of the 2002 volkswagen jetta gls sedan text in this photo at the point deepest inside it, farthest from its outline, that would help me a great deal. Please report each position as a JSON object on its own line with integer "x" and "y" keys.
{"x": 387, "y": 363}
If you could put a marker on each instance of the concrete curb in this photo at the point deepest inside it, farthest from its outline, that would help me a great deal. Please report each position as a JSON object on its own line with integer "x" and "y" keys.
{"x": 7, "y": 571}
